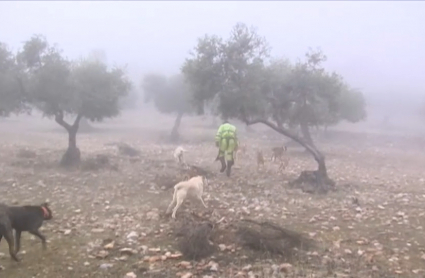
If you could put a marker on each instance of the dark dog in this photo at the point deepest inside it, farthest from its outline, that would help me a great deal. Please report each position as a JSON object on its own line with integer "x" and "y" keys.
{"x": 22, "y": 219}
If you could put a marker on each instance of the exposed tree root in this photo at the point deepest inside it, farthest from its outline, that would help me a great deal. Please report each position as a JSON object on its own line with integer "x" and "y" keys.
{"x": 71, "y": 158}
{"x": 271, "y": 238}
{"x": 195, "y": 243}
{"x": 313, "y": 182}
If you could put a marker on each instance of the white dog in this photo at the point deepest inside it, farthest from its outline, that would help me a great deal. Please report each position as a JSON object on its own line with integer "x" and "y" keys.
{"x": 178, "y": 153}
{"x": 193, "y": 187}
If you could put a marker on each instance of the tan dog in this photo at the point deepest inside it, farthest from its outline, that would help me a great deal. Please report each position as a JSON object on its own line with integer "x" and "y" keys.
{"x": 240, "y": 150}
{"x": 193, "y": 187}
{"x": 178, "y": 154}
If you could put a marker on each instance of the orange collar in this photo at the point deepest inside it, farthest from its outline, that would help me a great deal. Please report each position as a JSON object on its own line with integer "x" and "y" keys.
{"x": 45, "y": 212}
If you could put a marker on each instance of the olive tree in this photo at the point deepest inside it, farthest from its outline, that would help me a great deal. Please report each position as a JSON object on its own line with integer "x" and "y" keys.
{"x": 13, "y": 98}
{"x": 256, "y": 89}
{"x": 59, "y": 87}
{"x": 170, "y": 95}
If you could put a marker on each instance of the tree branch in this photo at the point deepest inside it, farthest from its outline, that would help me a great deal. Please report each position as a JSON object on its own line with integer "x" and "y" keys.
{"x": 77, "y": 120}
{"x": 312, "y": 149}
{"x": 60, "y": 121}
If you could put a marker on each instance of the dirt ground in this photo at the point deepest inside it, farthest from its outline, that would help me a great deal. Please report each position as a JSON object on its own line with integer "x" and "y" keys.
{"x": 381, "y": 235}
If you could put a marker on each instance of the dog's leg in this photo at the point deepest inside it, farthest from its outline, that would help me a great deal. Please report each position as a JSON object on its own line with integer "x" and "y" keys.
{"x": 40, "y": 236}
{"x": 11, "y": 242}
{"x": 200, "y": 198}
{"x": 172, "y": 202}
{"x": 18, "y": 241}
{"x": 1, "y": 236}
{"x": 179, "y": 202}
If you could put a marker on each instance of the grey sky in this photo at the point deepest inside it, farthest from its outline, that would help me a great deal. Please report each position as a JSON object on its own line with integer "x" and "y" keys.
{"x": 376, "y": 46}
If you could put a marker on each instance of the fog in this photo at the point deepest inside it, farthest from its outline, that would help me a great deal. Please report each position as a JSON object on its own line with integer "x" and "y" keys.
{"x": 377, "y": 47}
{"x": 106, "y": 164}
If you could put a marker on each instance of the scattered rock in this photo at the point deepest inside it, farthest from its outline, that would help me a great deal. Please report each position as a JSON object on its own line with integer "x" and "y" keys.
{"x": 105, "y": 266}
{"x": 213, "y": 266}
{"x": 102, "y": 254}
{"x": 152, "y": 215}
{"x": 109, "y": 246}
{"x": 130, "y": 275}
{"x": 128, "y": 251}
{"x": 247, "y": 268}
{"x": 185, "y": 264}
{"x": 187, "y": 275}
{"x": 286, "y": 267}
{"x": 132, "y": 235}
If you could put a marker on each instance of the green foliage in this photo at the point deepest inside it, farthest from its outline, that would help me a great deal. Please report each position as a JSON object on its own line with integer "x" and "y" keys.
{"x": 352, "y": 106}
{"x": 97, "y": 89}
{"x": 239, "y": 73}
{"x": 170, "y": 95}
{"x": 12, "y": 95}
{"x": 56, "y": 85}
{"x": 232, "y": 69}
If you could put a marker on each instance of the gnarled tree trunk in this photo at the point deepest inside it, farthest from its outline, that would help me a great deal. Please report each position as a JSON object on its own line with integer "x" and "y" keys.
{"x": 309, "y": 181}
{"x": 305, "y": 131}
{"x": 72, "y": 156}
{"x": 175, "y": 135}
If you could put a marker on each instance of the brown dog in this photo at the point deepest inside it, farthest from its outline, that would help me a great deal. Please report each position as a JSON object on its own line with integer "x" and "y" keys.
{"x": 22, "y": 219}
{"x": 277, "y": 152}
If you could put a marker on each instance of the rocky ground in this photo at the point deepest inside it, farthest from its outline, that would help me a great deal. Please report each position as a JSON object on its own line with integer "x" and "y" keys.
{"x": 111, "y": 222}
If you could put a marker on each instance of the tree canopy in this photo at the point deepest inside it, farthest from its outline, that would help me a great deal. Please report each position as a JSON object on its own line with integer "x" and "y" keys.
{"x": 170, "y": 95}
{"x": 255, "y": 88}
{"x": 12, "y": 95}
{"x": 85, "y": 87}
{"x": 42, "y": 77}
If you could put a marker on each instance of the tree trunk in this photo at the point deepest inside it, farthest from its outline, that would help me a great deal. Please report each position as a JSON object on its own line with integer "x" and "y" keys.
{"x": 309, "y": 181}
{"x": 72, "y": 138}
{"x": 305, "y": 131}
{"x": 175, "y": 135}
{"x": 72, "y": 156}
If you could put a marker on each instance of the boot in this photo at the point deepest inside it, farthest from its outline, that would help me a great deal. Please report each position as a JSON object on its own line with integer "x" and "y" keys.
{"x": 223, "y": 164}
{"x": 229, "y": 168}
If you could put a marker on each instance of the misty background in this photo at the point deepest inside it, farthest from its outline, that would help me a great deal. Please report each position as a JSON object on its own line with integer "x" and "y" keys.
{"x": 378, "y": 47}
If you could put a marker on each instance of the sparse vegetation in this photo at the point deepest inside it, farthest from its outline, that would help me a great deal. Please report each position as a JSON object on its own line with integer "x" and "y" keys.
{"x": 109, "y": 208}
